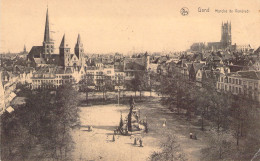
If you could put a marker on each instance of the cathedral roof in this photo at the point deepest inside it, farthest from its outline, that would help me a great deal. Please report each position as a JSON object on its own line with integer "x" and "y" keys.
{"x": 35, "y": 52}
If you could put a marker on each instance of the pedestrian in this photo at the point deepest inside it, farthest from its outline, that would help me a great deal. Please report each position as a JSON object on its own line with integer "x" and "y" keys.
{"x": 135, "y": 141}
{"x": 113, "y": 139}
{"x": 191, "y": 135}
{"x": 141, "y": 143}
{"x": 90, "y": 128}
{"x": 164, "y": 123}
{"x": 195, "y": 136}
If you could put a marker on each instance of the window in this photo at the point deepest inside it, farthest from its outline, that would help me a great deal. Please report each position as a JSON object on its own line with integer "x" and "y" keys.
{"x": 236, "y": 81}
{"x": 240, "y": 82}
{"x": 222, "y": 79}
{"x": 229, "y": 80}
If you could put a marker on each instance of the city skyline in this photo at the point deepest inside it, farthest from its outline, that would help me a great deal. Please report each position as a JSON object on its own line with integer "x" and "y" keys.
{"x": 123, "y": 26}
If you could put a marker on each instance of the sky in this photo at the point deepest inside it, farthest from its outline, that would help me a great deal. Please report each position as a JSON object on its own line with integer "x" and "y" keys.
{"x": 126, "y": 26}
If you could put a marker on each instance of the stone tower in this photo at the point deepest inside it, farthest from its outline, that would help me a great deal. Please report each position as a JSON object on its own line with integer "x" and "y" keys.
{"x": 48, "y": 44}
{"x": 226, "y": 37}
{"x": 64, "y": 53}
{"x": 79, "y": 51}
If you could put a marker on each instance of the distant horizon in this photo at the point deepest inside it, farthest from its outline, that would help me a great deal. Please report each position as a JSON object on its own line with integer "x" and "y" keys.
{"x": 124, "y": 26}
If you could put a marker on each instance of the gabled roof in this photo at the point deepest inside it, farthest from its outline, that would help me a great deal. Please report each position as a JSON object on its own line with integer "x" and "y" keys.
{"x": 249, "y": 74}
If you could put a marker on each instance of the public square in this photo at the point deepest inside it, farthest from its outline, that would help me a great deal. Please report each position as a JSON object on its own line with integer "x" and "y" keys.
{"x": 98, "y": 144}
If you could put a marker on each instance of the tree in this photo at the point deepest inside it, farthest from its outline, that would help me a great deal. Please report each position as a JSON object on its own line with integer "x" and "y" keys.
{"x": 136, "y": 82}
{"x": 40, "y": 129}
{"x": 153, "y": 81}
{"x": 86, "y": 84}
{"x": 171, "y": 151}
{"x": 119, "y": 83}
{"x": 219, "y": 146}
{"x": 219, "y": 110}
{"x": 202, "y": 103}
{"x": 106, "y": 86}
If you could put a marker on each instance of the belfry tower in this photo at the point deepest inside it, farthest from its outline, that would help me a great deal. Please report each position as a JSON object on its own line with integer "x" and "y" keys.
{"x": 226, "y": 37}
{"x": 48, "y": 44}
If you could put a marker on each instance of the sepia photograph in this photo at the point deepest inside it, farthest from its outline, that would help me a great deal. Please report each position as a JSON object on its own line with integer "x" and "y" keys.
{"x": 129, "y": 80}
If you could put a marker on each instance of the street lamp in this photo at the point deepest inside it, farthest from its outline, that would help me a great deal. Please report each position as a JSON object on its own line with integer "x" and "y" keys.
{"x": 118, "y": 96}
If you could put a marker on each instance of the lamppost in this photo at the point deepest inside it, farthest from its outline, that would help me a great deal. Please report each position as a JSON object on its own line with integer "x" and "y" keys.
{"x": 139, "y": 113}
{"x": 118, "y": 96}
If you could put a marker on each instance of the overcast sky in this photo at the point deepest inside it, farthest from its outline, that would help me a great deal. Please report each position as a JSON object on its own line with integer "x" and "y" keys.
{"x": 125, "y": 25}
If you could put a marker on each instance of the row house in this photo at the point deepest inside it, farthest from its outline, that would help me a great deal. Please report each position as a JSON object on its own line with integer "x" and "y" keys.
{"x": 47, "y": 77}
{"x": 8, "y": 83}
{"x": 98, "y": 74}
{"x": 242, "y": 82}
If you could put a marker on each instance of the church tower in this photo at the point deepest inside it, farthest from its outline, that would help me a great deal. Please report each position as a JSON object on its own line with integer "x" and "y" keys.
{"x": 226, "y": 37}
{"x": 48, "y": 44}
{"x": 79, "y": 51}
{"x": 64, "y": 53}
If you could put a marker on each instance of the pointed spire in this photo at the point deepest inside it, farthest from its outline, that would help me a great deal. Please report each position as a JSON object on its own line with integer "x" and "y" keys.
{"x": 63, "y": 43}
{"x": 78, "y": 40}
{"x": 47, "y": 29}
{"x": 78, "y": 44}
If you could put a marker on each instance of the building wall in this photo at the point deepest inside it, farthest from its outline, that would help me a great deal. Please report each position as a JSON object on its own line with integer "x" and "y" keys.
{"x": 237, "y": 85}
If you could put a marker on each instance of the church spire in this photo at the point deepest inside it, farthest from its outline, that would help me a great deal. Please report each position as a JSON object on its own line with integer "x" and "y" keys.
{"x": 78, "y": 50}
{"x": 78, "y": 40}
{"x": 63, "y": 43}
{"x": 47, "y": 29}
